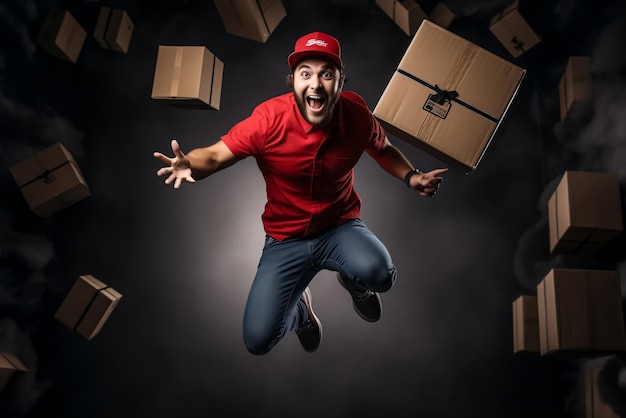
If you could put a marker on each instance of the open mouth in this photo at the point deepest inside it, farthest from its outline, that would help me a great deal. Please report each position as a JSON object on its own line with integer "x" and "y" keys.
{"x": 316, "y": 103}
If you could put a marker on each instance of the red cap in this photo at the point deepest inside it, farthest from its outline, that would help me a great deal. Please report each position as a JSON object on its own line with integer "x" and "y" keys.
{"x": 316, "y": 43}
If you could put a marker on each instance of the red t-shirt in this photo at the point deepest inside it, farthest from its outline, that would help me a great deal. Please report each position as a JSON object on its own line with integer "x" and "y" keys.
{"x": 308, "y": 174}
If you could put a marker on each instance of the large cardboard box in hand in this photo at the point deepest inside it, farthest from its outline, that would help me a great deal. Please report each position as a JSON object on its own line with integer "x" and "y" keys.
{"x": 575, "y": 86}
{"x": 407, "y": 14}
{"x": 441, "y": 15}
{"x": 114, "y": 29}
{"x": 595, "y": 406}
{"x": 448, "y": 96}
{"x": 50, "y": 180}
{"x": 188, "y": 77}
{"x": 513, "y": 31}
{"x": 251, "y": 19}
{"x": 87, "y": 306}
{"x": 580, "y": 313}
{"x": 62, "y": 35}
{"x": 584, "y": 212}
{"x": 525, "y": 324}
{"x": 9, "y": 365}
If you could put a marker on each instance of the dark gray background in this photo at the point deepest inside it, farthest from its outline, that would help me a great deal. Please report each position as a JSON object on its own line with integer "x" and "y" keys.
{"x": 184, "y": 260}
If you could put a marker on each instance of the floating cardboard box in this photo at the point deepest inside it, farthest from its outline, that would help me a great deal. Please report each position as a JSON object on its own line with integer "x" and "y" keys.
{"x": 50, "y": 180}
{"x": 87, "y": 306}
{"x": 251, "y": 19}
{"x": 595, "y": 406}
{"x": 62, "y": 35}
{"x": 441, "y": 15}
{"x": 525, "y": 324}
{"x": 9, "y": 365}
{"x": 575, "y": 86}
{"x": 188, "y": 77}
{"x": 114, "y": 29}
{"x": 580, "y": 313}
{"x": 448, "y": 96}
{"x": 513, "y": 31}
{"x": 584, "y": 213}
{"x": 407, "y": 14}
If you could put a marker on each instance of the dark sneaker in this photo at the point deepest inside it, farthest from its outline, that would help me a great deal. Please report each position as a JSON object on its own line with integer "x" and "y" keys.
{"x": 366, "y": 303}
{"x": 309, "y": 334}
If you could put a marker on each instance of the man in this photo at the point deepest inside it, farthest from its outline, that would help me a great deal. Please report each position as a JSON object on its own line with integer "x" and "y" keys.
{"x": 306, "y": 144}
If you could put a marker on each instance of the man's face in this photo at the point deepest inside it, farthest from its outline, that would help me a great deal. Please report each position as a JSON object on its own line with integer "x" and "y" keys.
{"x": 317, "y": 83}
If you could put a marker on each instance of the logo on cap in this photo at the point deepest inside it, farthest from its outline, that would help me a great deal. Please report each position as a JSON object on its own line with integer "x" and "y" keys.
{"x": 317, "y": 42}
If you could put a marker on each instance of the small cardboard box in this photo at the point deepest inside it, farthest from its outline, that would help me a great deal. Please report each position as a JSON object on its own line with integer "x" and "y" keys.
{"x": 87, "y": 306}
{"x": 251, "y": 19}
{"x": 580, "y": 313}
{"x": 50, "y": 180}
{"x": 114, "y": 29}
{"x": 525, "y": 324}
{"x": 584, "y": 212}
{"x": 448, "y": 96}
{"x": 575, "y": 86}
{"x": 513, "y": 31}
{"x": 188, "y": 77}
{"x": 9, "y": 365}
{"x": 62, "y": 35}
{"x": 595, "y": 407}
{"x": 441, "y": 15}
{"x": 407, "y": 14}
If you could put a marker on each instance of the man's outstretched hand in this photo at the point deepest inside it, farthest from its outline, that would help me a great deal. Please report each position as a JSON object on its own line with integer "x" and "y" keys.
{"x": 427, "y": 184}
{"x": 178, "y": 168}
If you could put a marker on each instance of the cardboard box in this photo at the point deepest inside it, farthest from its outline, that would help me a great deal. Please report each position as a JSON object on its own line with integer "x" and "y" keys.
{"x": 188, "y": 77}
{"x": 251, "y": 19}
{"x": 575, "y": 86}
{"x": 441, "y": 15}
{"x": 62, "y": 35}
{"x": 87, "y": 306}
{"x": 525, "y": 324}
{"x": 513, "y": 31}
{"x": 50, "y": 180}
{"x": 580, "y": 313}
{"x": 407, "y": 14}
{"x": 595, "y": 407}
{"x": 584, "y": 212}
{"x": 9, "y": 365}
{"x": 114, "y": 29}
{"x": 448, "y": 96}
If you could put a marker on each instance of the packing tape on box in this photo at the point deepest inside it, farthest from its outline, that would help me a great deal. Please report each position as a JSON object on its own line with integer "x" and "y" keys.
{"x": 443, "y": 98}
{"x": 47, "y": 175}
{"x": 178, "y": 62}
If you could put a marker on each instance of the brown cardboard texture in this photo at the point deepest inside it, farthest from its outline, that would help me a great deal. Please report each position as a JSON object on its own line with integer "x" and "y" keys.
{"x": 525, "y": 324}
{"x": 513, "y": 31}
{"x": 441, "y": 15}
{"x": 575, "y": 86}
{"x": 87, "y": 306}
{"x": 448, "y": 96}
{"x": 584, "y": 212}
{"x": 62, "y": 35}
{"x": 50, "y": 180}
{"x": 9, "y": 365}
{"x": 407, "y": 14}
{"x": 114, "y": 29}
{"x": 188, "y": 77}
{"x": 595, "y": 407}
{"x": 251, "y": 19}
{"x": 580, "y": 313}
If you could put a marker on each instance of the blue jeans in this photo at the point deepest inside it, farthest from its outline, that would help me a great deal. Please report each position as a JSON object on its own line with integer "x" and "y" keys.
{"x": 287, "y": 267}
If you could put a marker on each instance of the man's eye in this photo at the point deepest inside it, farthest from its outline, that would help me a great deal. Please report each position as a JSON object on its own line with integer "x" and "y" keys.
{"x": 327, "y": 75}
{"x": 305, "y": 74}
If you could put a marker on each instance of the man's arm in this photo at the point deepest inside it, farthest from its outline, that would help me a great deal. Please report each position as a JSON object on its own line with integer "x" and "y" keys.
{"x": 198, "y": 164}
{"x": 394, "y": 162}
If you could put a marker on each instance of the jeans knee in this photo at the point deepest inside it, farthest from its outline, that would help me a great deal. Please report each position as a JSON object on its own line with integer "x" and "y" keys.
{"x": 257, "y": 343}
{"x": 378, "y": 278}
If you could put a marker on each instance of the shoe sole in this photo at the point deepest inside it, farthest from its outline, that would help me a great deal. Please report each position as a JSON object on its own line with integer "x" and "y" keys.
{"x": 308, "y": 303}
{"x": 365, "y": 318}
